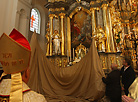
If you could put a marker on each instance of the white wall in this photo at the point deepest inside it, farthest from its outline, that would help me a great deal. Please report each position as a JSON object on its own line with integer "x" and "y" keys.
{"x": 8, "y": 10}
{"x": 16, "y": 14}
{"x": 23, "y": 17}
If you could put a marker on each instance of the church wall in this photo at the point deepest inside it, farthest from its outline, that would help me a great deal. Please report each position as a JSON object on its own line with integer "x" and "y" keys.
{"x": 8, "y": 10}
{"x": 23, "y": 17}
{"x": 44, "y": 19}
{"x": 16, "y": 14}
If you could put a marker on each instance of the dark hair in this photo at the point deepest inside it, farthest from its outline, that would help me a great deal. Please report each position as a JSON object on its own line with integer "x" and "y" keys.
{"x": 1, "y": 71}
{"x": 128, "y": 60}
{"x": 8, "y": 76}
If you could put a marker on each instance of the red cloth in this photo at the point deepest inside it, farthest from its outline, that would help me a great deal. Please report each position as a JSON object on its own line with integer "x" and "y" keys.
{"x": 19, "y": 38}
{"x": 77, "y": 30}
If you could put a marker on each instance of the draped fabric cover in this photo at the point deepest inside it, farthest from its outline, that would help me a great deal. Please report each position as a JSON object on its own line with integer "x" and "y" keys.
{"x": 83, "y": 80}
{"x": 133, "y": 89}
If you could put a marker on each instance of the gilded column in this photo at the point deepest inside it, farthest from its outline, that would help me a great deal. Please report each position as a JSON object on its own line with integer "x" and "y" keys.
{"x": 106, "y": 27}
{"x": 68, "y": 37}
{"x": 123, "y": 33}
{"x": 51, "y": 0}
{"x": 93, "y": 20}
{"x": 111, "y": 34}
{"x": 51, "y": 32}
{"x": 135, "y": 32}
{"x": 128, "y": 27}
{"x": 62, "y": 15}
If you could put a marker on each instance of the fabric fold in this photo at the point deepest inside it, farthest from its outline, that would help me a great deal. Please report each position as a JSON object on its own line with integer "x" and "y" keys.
{"x": 82, "y": 80}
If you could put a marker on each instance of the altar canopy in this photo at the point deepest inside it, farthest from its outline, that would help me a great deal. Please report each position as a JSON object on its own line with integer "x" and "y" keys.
{"x": 83, "y": 80}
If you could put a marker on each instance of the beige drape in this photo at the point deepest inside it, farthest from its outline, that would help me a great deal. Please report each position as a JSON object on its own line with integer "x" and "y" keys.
{"x": 133, "y": 89}
{"x": 83, "y": 80}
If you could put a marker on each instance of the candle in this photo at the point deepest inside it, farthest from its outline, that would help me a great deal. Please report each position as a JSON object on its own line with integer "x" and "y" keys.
{"x": 119, "y": 4}
{"x": 125, "y": 2}
{"x": 67, "y": 56}
{"x": 130, "y": 2}
{"x": 70, "y": 55}
{"x": 73, "y": 54}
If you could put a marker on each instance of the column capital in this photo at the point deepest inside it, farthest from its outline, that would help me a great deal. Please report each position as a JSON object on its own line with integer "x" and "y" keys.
{"x": 62, "y": 8}
{"x": 62, "y": 15}
{"x": 104, "y": 6}
{"x": 51, "y": 15}
{"x": 94, "y": 8}
{"x": 128, "y": 24}
{"x": 92, "y": 2}
{"x": 18, "y": 12}
{"x": 51, "y": 9}
{"x": 123, "y": 24}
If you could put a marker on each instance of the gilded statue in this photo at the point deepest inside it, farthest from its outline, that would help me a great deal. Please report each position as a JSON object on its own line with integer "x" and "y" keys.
{"x": 118, "y": 40}
{"x": 118, "y": 62}
{"x": 128, "y": 6}
{"x": 47, "y": 44}
{"x": 104, "y": 62}
{"x": 127, "y": 42}
{"x": 56, "y": 41}
{"x": 112, "y": 59}
{"x": 47, "y": 37}
{"x": 101, "y": 45}
{"x": 123, "y": 6}
{"x": 101, "y": 39}
{"x": 80, "y": 51}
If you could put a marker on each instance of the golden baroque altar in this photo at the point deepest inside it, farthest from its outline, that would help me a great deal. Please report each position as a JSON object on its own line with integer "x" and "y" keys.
{"x": 73, "y": 24}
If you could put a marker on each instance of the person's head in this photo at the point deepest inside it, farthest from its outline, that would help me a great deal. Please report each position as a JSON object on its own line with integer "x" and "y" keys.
{"x": 127, "y": 61}
{"x": 113, "y": 66}
{"x": 15, "y": 58}
{"x": 1, "y": 71}
{"x": 15, "y": 53}
{"x": 56, "y": 31}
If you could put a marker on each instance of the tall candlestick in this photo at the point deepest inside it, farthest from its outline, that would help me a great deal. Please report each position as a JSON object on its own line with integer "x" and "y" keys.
{"x": 119, "y": 4}
{"x": 125, "y": 2}
{"x": 67, "y": 56}
{"x": 130, "y": 2}
{"x": 73, "y": 54}
{"x": 85, "y": 51}
{"x": 68, "y": 35}
{"x": 70, "y": 55}
{"x": 134, "y": 29}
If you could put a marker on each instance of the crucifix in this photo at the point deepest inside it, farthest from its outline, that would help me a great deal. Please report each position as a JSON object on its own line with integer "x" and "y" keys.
{"x": 32, "y": 20}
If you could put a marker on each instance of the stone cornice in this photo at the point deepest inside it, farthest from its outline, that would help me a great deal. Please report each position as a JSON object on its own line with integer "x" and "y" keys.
{"x": 26, "y": 3}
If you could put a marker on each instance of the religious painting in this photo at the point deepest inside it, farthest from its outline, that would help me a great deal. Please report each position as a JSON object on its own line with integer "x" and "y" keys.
{"x": 81, "y": 29}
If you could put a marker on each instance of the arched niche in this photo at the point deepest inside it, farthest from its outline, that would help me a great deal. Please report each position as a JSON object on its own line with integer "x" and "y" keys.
{"x": 79, "y": 30}
{"x": 22, "y": 25}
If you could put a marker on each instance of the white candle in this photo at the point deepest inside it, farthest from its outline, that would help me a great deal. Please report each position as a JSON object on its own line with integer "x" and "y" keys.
{"x": 130, "y": 2}
{"x": 67, "y": 56}
{"x": 125, "y": 2}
